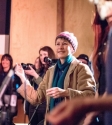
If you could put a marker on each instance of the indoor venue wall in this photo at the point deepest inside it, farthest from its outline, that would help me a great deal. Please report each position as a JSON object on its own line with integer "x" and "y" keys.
{"x": 78, "y": 19}
{"x": 36, "y": 23}
{"x": 33, "y": 25}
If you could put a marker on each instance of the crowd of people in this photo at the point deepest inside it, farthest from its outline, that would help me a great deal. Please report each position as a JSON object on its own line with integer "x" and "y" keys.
{"x": 73, "y": 91}
{"x": 68, "y": 78}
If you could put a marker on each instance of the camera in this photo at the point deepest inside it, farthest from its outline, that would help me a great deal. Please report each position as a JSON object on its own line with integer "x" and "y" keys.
{"x": 50, "y": 61}
{"x": 26, "y": 66}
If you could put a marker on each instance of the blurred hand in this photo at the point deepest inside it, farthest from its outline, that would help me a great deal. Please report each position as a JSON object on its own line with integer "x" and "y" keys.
{"x": 56, "y": 92}
{"x": 31, "y": 72}
{"x": 67, "y": 113}
{"x": 20, "y": 72}
{"x": 89, "y": 118}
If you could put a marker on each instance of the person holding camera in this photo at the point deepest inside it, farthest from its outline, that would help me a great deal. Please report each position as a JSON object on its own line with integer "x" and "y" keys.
{"x": 68, "y": 79}
{"x": 8, "y": 109}
{"x": 28, "y": 68}
{"x": 35, "y": 74}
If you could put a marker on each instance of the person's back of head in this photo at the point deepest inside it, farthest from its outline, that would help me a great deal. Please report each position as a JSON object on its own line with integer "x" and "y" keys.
{"x": 83, "y": 58}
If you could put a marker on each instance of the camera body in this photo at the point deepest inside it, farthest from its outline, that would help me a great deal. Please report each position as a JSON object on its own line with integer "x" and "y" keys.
{"x": 49, "y": 61}
{"x": 26, "y": 66}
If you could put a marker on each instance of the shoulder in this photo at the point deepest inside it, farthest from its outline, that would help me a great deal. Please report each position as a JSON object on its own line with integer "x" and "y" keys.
{"x": 51, "y": 69}
{"x": 79, "y": 65}
{"x": 75, "y": 63}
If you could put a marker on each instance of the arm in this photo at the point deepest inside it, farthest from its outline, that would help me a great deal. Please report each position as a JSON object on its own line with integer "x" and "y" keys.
{"x": 74, "y": 110}
{"x": 31, "y": 72}
{"x": 83, "y": 82}
{"x": 27, "y": 91}
{"x": 36, "y": 78}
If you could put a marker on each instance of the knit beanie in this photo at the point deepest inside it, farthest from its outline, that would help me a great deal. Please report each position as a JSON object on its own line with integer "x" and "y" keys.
{"x": 83, "y": 56}
{"x": 70, "y": 38}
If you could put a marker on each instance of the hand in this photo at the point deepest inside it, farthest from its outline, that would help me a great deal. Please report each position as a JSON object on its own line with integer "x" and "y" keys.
{"x": 89, "y": 118}
{"x": 56, "y": 92}
{"x": 20, "y": 72}
{"x": 31, "y": 72}
{"x": 67, "y": 113}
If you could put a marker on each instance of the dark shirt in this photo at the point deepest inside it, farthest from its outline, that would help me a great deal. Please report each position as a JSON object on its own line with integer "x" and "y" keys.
{"x": 108, "y": 115}
{"x": 36, "y": 114}
{"x": 101, "y": 67}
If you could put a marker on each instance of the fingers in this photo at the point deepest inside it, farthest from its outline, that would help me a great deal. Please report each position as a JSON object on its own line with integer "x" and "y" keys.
{"x": 17, "y": 67}
{"x": 53, "y": 92}
{"x": 90, "y": 117}
{"x": 27, "y": 72}
{"x": 19, "y": 71}
{"x": 31, "y": 71}
{"x": 31, "y": 67}
{"x": 50, "y": 91}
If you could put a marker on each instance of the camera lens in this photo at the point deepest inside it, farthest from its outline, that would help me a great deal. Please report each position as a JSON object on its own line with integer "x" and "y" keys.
{"x": 25, "y": 67}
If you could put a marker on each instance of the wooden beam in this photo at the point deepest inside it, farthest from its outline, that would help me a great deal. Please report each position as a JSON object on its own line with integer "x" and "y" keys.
{"x": 60, "y": 16}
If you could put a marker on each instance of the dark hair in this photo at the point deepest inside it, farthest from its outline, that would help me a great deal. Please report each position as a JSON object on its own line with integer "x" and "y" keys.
{"x": 101, "y": 30}
{"x": 51, "y": 55}
{"x": 9, "y": 57}
{"x": 40, "y": 64}
{"x": 48, "y": 49}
